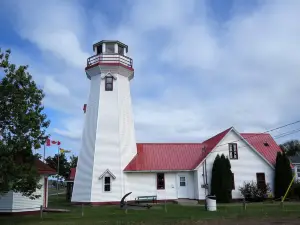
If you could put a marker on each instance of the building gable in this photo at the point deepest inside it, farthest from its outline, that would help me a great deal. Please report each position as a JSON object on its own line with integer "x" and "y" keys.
{"x": 252, "y": 143}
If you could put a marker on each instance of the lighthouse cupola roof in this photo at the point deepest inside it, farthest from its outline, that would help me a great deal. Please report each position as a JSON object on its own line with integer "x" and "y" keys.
{"x": 110, "y": 47}
{"x": 110, "y": 55}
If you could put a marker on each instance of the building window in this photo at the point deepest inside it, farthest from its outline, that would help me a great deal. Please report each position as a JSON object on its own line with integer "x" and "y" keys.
{"x": 160, "y": 181}
{"x": 232, "y": 180}
{"x": 107, "y": 184}
{"x": 298, "y": 171}
{"x": 233, "y": 152}
{"x": 182, "y": 181}
{"x": 109, "y": 83}
{"x": 99, "y": 49}
{"x": 261, "y": 180}
{"x": 120, "y": 50}
{"x": 110, "y": 48}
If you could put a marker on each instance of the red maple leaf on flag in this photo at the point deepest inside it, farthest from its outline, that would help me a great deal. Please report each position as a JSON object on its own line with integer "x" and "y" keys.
{"x": 52, "y": 142}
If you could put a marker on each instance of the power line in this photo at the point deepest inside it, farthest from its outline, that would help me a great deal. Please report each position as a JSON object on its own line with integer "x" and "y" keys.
{"x": 276, "y": 137}
{"x": 268, "y": 131}
{"x": 287, "y": 133}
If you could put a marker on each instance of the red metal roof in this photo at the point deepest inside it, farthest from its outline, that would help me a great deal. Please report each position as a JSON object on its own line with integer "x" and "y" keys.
{"x": 44, "y": 168}
{"x": 258, "y": 140}
{"x": 166, "y": 157}
{"x": 187, "y": 156}
{"x": 183, "y": 156}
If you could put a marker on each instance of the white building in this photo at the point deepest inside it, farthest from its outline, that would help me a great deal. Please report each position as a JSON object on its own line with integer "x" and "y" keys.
{"x": 16, "y": 203}
{"x": 295, "y": 160}
{"x": 111, "y": 164}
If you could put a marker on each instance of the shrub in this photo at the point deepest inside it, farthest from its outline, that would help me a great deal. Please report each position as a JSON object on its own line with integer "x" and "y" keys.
{"x": 295, "y": 190}
{"x": 252, "y": 193}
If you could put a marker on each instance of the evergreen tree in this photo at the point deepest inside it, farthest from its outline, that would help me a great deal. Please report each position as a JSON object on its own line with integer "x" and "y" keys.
{"x": 221, "y": 180}
{"x": 287, "y": 172}
{"x": 225, "y": 180}
{"x": 215, "y": 184}
{"x": 283, "y": 174}
{"x": 229, "y": 182}
{"x": 278, "y": 177}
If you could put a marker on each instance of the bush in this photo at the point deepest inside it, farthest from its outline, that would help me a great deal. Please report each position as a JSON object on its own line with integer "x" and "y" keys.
{"x": 295, "y": 190}
{"x": 252, "y": 193}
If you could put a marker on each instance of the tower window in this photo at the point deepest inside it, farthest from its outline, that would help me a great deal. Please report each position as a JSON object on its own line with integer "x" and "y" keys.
{"x": 99, "y": 49}
{"x": 108, "y": 83}
{"x": 120, "y": 50}
{"x": 107, "y": 184}
{"x": 110, "y": 48}
{"x": 233, "y": 152}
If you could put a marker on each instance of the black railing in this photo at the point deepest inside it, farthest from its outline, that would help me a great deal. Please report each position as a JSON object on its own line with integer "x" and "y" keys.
{"x": 109, "y": 58}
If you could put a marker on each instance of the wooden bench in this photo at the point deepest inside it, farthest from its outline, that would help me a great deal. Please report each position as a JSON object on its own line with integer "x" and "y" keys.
{"x": 140, "y": 199}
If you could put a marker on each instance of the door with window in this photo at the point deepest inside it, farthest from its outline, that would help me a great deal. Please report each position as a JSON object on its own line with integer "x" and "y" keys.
{"x": 182, "y": 186}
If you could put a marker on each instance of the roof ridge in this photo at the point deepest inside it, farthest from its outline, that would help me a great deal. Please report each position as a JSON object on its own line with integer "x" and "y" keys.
{"x": 170, "y": 143}
{"x": 224, "y": 131}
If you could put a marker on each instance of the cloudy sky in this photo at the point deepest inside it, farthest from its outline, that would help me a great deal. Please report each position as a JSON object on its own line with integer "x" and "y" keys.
{"x": 200, "y": 66}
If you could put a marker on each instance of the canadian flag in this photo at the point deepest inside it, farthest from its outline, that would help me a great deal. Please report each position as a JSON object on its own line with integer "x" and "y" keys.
{"x": 52, "y": 142}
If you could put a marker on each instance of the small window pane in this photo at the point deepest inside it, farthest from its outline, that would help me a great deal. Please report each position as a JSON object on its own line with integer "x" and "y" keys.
{"x": 120, "y": 50}
{"x": 99, "y": 49}
{"x": 298, "y": 169}
{"x": 110, "y": 48}
{"x": 107, "y": 187}
{"x": 109, "y": 79}
{"x": 107, "y": 180}
{"x": 182, "y": 184}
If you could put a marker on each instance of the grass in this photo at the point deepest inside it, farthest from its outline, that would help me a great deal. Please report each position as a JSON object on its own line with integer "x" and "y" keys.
{"x": 175, "y": 214}
{"x": 52, "y": 190}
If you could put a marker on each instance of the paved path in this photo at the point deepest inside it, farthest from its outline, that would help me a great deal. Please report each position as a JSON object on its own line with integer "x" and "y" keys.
{"x": 60, "y": 193}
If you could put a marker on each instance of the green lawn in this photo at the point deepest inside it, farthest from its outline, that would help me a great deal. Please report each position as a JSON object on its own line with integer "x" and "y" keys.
{"x": 175, "y": 214}
{"x": 53, "y": 190}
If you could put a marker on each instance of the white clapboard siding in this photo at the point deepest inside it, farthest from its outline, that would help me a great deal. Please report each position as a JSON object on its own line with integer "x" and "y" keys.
{"x": 22, "y": 203}
{"x": 6, "y": 202}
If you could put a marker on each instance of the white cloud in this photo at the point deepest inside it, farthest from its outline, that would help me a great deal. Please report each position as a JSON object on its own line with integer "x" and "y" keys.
{"x": 52, "y": 87}
{"x": 193, "y": 76}
{"x": 55, "y": 27}
{"x": 72, "y": 128}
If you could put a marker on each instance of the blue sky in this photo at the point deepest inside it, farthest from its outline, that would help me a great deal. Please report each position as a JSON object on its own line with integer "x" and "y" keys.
{"x": 200, "y": 66}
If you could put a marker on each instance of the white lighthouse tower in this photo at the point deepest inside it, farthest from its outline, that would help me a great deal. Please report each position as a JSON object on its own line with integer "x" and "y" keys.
{"x": 108, "y": 139}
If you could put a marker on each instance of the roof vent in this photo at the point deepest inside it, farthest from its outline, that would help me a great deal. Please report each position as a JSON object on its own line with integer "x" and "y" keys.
{"x": 266, "y": 144}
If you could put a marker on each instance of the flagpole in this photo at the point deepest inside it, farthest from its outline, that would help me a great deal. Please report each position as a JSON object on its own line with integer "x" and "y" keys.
{"x": 57, "y": 170}
{"x": 44, "y": 151}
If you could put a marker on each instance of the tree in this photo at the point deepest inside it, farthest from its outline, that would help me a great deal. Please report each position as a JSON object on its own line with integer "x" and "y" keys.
{"x": 73, "y": 161}
{"x": 283, "y": 174}
{"x": 291, "y": 147}
{"x": 226, "y": 180}
{"x": 22, "y": 127}
{"x": 215, "y": 184}
{"x": 64, "y": 166}
{"x": 221, "y": 180}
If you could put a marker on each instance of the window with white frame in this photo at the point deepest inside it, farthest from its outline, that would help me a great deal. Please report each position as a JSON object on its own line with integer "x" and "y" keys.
{"x": 107, "y": 184}
{"x": 182, "y": 181}
{"x": 233, "y": 151}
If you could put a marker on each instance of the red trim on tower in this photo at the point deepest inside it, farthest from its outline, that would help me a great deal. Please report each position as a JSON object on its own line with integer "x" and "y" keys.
{"x": 109, "y": 64}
